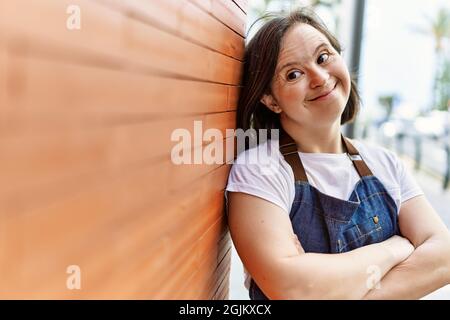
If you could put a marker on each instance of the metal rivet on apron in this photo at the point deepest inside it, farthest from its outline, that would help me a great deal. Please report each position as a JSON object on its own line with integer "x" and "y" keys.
{"x": 375, "y": 219}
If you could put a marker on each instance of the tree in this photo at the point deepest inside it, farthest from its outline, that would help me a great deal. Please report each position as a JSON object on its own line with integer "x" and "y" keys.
{"x": 439, "y": 28}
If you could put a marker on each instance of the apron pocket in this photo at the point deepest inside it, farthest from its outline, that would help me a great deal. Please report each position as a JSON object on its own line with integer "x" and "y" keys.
{"x": 361, "y": 234}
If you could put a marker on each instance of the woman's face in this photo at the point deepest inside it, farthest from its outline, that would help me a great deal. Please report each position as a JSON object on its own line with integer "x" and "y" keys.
{"x": 311, "y": 84}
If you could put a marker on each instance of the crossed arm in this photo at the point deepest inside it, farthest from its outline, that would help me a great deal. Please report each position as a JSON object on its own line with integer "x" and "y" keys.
{"x": 267, "y": 245}
{"x": 428, "y": 267}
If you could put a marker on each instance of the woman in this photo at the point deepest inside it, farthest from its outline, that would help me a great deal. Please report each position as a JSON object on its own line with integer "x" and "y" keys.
{"x": 334, "y": 218}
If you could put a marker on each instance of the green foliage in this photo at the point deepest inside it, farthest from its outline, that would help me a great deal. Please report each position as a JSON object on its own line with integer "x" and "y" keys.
{"x": 443, "y": 87}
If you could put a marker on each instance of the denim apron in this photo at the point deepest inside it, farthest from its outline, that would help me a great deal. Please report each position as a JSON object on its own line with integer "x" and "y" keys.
{"x": 324, "y": 224}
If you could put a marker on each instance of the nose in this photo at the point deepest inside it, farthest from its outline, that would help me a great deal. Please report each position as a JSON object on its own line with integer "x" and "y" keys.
{"x": 318, "y": 77}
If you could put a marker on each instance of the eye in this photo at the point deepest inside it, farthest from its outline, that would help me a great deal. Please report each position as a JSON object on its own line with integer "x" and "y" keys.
{"x": 294, "y": 75}
{"x": 323, "y": 57}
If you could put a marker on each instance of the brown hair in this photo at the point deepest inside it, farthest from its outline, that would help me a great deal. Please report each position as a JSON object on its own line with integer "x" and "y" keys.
{"x": 260, "y": 60}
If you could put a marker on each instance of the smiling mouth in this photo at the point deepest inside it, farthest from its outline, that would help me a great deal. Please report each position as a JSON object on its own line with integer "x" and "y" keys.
{"x": 324, "y": 95}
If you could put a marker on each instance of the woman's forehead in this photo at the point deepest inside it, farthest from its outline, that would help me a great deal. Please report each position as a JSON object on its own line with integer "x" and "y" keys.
{"x": 301, "y": 41}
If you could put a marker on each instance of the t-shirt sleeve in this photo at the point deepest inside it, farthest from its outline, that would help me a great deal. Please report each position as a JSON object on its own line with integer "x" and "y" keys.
{"x": 408, "y": 185}
{"x": 265, "y": 181}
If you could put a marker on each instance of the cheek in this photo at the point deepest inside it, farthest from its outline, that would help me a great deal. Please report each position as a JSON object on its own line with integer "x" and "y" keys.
{"x": 292, "y": 94}
{"x": 344, "y": 76}
{"x": 347, "y": 82}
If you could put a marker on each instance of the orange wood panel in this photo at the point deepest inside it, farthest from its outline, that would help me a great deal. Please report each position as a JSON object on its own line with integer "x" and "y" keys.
{"x": 100, "y": 93}
{"x": 205, "y": 5}
{"x": 223, "y": 281}
{"x": 32, "y": 161}
{"x": 181, "y": 57}
{"x": 175, "y": 252}
{"x": 175, "y": 286}
{"x": 37, "y": 247}
{"x": 109, "y": 201}
{"x": 24, "y": 23}
{"x": 184, "y": 19}
{"x": 226, "y": 11}
{"x": 164, "y": 13}
{"x": 128, "y": 185}
{"x": 164, "y": 266}
{"x": 221, "y": 121}
{"x": 182, "y": 175}
{"x": 3, "y": 75}
{"x": 113, "y": 40}
{"x": 208, "y": 30}
{"x": 230, "y": 14}
{"x": 242, "y": 4}
{"x": 214, "y": 266}
{"x": 85, "y": 123}
{"x": 233, "y": 97}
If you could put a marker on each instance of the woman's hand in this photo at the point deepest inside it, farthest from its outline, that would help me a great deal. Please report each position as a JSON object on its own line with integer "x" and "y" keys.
{"x": 429, "y": 265}
{"x": 399, "y": 247}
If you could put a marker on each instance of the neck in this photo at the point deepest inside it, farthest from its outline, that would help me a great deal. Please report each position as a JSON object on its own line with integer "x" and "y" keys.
{"x": 315, "y": 140}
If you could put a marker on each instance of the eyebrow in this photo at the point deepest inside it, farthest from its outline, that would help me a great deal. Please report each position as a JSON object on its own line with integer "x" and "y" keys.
{"x": 320, "y": 46}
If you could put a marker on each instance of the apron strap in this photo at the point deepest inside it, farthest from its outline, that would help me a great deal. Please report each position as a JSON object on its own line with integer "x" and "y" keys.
{"x": 356, "y": 158}
{"x": 288, "y": 149}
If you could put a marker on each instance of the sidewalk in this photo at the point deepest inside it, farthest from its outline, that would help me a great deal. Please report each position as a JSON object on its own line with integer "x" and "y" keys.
{"x": 431, "y": 186}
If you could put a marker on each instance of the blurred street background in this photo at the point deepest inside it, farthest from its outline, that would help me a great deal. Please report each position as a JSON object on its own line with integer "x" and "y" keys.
{"x": 400, "y": 52}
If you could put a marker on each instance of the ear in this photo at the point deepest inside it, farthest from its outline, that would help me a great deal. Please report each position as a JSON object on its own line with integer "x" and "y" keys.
{"x": 269, "y": 101}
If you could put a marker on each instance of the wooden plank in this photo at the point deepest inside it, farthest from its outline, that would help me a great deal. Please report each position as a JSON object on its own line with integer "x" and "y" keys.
{"x": 30, "y": 162}
{"x": 102, "y": 93}
{"x": 204, "y": 282}
{"x": 181, "y": 57}
{"x": 49, "y": 241}
{"x": 163, "y": 13}
{"x": 225, "y": 242}
{"x": 79, "y": 223}
{"x": 230, "y": 14}
{"x": 172, "y": 255}
{"x": 222, "y": 290}
{"x": 223, "y": 280}
{"x": 73, "y": 145}
{"x": 44, "y": 235}
{"x": 109, "y": 39}
{"x": 189, "y": 265}
{"x": 225, "y": 11}
{"x": 233, "y": 97}
{"x": 164, "y": 260}
{"x": 153, "y": 256}
{"x": 221, "y": 121}
{"x": 206, "y": 291}
{"x": 3, "y": 75}
{"x": 242, "y": 4}
{"x": 37, "y": 193}
{"x": 99, "y": 31}
{"x": 185, "y": 20}
{"x": 195, "y": 22}
{"x": 205, "y": 5}
{"x": 95, "y": 196}
{"x": 182, "y": 175}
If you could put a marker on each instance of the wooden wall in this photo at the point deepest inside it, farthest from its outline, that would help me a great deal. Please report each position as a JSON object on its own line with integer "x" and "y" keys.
{"x": 86, "y": 117}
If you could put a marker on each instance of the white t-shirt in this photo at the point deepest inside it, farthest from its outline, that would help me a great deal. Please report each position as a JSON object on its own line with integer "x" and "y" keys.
{"x": 263, "y": 172}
